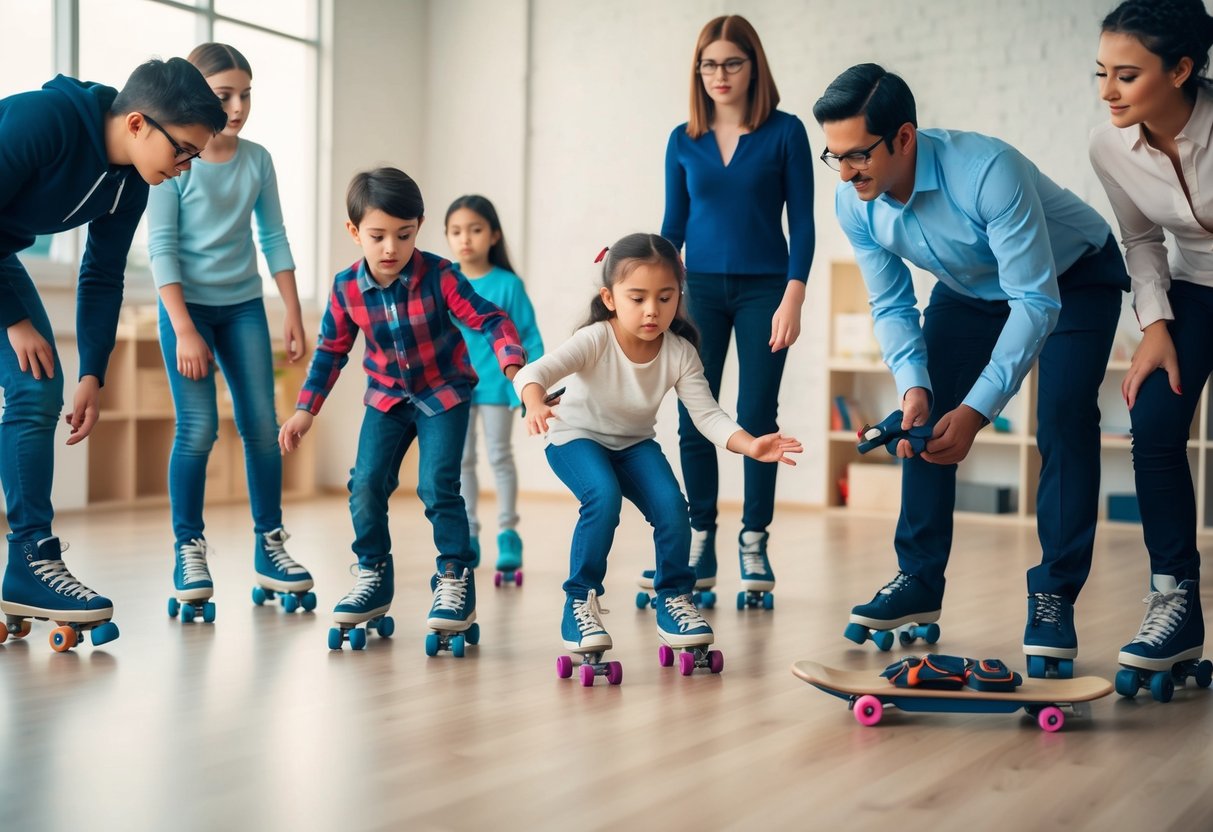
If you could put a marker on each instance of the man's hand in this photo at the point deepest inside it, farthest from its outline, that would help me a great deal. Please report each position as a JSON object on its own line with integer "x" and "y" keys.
{"x": 953, "y": 436}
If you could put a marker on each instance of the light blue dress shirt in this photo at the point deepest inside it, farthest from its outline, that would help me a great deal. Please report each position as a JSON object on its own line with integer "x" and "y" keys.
{"x": 989, "y": 225}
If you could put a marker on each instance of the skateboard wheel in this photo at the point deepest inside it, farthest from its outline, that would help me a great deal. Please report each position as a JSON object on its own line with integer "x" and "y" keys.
{"x": 587, "y": 675}
{"x": 1204, "y": 673}
{"x": 1127, "y": 683}
{"x": 336, "y": 638}
{"x": 856, "y": 633}
{"x": 259, "y": 596}
{"x": 208, "y": 612}
{"x": 62, "y": 639}
{"x": 686, "y": 663}
{"x": 1162, "y": 686}
{"x": 564, "y": 667}
{"x": 642, "y": 600}
{"x": 357, "y": 638}
{"x": 1051, "y": 719}
{"x": 614, "y": 673}
{"x": 868, "y": 710}
{"x": 665, "y": 655}
{"x": 431, "y": 644}
{"x": 883, "y": 640}
{"x": 187, "y": 613}
{"x": 715, "y": 661}
{"x": 309, "y": 602}
{"x": 387, "y": 626}
{"x": 104, "y": 633}
{"x": 173, "y": 607}
{"x": 497, "y": 579}
{"x": 289, "y": 602}
{"x": 473, "y": 634}
{"x": 768, "y": 601}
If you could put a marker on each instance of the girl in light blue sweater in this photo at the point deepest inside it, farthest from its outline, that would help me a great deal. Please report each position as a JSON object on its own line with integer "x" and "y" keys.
{"x": 211, "y": 311}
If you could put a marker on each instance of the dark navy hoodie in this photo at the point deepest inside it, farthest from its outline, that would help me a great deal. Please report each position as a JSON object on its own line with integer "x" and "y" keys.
{"x": 54, "y": 175}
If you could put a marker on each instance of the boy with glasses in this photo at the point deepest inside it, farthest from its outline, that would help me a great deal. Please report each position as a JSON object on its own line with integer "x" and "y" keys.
{"x": 73, "y": 153}
{"x": 1025, "y": 270}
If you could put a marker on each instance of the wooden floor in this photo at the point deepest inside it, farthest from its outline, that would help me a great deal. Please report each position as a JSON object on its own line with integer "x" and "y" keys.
{"x": 253, "y": 723}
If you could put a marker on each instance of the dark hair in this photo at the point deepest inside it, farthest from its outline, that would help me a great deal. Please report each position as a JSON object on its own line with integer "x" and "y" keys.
{"x": 882, "y": 98}
{"x": 762, "y": 96}
{"x": 477, "y": 204}
{"x": 213, "y": 58}
{"x": 1171, "y": 29}
{"x": 389, "y": 190}
{"x": 172, "y": 92}
{"x": 635, "y": 250}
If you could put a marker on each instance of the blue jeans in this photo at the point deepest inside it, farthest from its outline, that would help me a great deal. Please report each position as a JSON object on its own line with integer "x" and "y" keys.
{"x": 382, "y": 444}
{"x": 27, "y": 428}
{"x": 239, "y": 337}
{"x": 600, "y": 478}
{"x": 1161, "y": 421}
{"x": 721, "y": 304}
{"x": 960, "y": 334}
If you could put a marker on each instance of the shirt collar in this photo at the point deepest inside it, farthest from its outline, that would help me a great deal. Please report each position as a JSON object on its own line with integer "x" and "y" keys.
{"x": 367, "y": 282}
{"x": 926, "y": 174}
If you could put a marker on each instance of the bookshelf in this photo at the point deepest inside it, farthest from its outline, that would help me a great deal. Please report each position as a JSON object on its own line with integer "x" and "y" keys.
{"x": 1008, "y": 459}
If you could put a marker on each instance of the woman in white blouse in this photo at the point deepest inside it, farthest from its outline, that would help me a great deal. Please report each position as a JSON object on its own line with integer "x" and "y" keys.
{"x": 1155, "y": 159}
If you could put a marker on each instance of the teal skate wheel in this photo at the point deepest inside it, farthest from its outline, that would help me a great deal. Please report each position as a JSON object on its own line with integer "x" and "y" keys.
{"x": 259, "y": 596}
{"x": 741, "y": 600}
{"x": 309, "y": 602}
{"x": 386, "y": 627}
{"x": 1065, "y": 668}
{"x": 473, "y": 634}
{"x": 1127, "y": 683}
{"x": 187, "y": 613}
{"x": 208, "y": 612}
{"x": 431, "y": 644}
{"x": 768, "y": 601}
{"x": 1204, "y": 673}
{"x": 457, "y": 646}
{"x": 174, "y": 606}
{"x": 642, "y": 600}
{"x": 856, "y": 633}
{"x": 931, "y": 634}
{"x": 336, "y": 639}
{"x": 289, "y": 602}
{"x": 708, "y": 599}
{"x": 1162, "y": 686}
{"x": 883, "y": 640}
{"x": 357, "y": 638}
{"x": 104, "y": 633}
{"x": 1037, "y": 667}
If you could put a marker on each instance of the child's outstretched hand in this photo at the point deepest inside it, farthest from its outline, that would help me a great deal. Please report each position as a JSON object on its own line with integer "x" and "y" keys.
{"x": 291, "y": 435}
{"x": 774, "y": 447}
{"x": 537, "y": 419}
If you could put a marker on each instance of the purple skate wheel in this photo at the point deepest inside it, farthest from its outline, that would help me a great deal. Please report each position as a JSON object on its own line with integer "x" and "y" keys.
{"x": 497, "y": 579}
{"x": 614, "y": 673}
{"x": 665, "y": 655}
{"x": 686, "y": 663}
{"x": 1051, "y": 719}
{"x": 564, "y": 667}
{"x": 868, "y": 710}
{"x": 587, "y": 675}
{"x": 518, "y": 578}
{"x": 715, "y": 661}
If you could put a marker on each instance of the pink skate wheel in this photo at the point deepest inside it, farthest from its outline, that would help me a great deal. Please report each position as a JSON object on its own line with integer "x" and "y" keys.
{"x": 587, "y": 675}
{"x": 665, "y": 655}
{"x": 518, "y": 578}
{"x": 497, "y": 579}
{"x": 564, "y": 667}
{"x": 868, "y": 710}
{"x": 614, "y": 673}
{"x": 686, "y": 663}
{"x": 715, "y": 661}
{"x": 1051, "y": 719}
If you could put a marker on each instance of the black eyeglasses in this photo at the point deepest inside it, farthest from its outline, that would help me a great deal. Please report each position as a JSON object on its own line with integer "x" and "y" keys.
{"x": 731, "y": 67}
{"x": 857, "y": 159}
{"x": 183, "y": 156}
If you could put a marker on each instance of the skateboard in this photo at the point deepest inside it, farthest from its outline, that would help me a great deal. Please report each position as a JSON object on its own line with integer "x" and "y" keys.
{"x": 63, "y": 637}
{"x": 1043, "y": 699}
{"x": 692, "y": 656}
{"x": 591, "y": 666}
{"x": 907, "y": 634}
{"x": 1162, "y": 682}
{"x": 454, "y": 640}
{"x": 702, "y": 597}
{"x": 291, "y": 600}
{"x": 381, "y": 623}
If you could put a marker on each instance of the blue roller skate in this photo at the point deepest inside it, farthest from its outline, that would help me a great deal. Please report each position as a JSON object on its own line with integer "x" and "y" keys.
{"x": 904, "y": 608}
{"x": 452, "y": 618}
{"x": 192, "y": 585}
{"x": 368, "y": 601}
{"x": 757, "y": 577}
{"x": 278, "y": 574}
{"x": 1168, "y": 647}
{"x": 582, "y": 631}
{"x": 681, "y": 627}
{"x": 1049, "y": 640}
{"x": 509, "y": 558}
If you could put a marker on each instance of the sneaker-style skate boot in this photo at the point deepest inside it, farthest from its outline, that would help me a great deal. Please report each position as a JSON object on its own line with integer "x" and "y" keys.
{"x": 38, "y": 585}
{"x": 509, "y": 558}
{"x": 278, "y": 573}
{"x": 1049, "y": 640}
{"x": 582, "y": 632}
{"x": 192, "y": 584}
{"x": 703, "y": 561}
{"x": 681, "y": 627}
{"x": 757, "y": 578}
{"x": 905, "y": 607}
{"x": 369, "y": 601}
{"x": 453, "y": 613}
{"x": 1167, "y": 648}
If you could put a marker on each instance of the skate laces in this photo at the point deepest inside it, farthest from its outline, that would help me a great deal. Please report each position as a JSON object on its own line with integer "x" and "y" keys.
{"x": 193, "y": 561}
{"x": 55, "y": 575}
{"x": 699, "y": 543}
{"x": 754, "y": 557}
{"x": 368, "y": 581}
{"x": 588, "y": 614}
{"x": 683, "y": 611}
{"x": 1047, "y": 609}
{"x": 450, "y": 592}
{"x": 275, "y": 548}
{"x": 1162, "y": 616}
{"x": 899, "y": 583}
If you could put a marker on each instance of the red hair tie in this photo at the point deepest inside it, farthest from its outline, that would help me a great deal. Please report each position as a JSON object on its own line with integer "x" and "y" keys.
{"x": 601, "y": 254}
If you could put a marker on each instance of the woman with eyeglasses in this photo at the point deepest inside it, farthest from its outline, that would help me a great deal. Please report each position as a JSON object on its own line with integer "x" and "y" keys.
{"x": 730, "y": 170}
{"x": 200, "y": 240}
{"x": 1155, "y": 161}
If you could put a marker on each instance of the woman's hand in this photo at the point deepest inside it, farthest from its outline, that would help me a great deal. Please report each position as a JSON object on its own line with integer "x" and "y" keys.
{"x": 293, "y": 338}
{"x": 785, "y": 323}
{"x": 194, "y": 357}
{"x": 34, "y": 353}
{"x": 1155, "y": 351}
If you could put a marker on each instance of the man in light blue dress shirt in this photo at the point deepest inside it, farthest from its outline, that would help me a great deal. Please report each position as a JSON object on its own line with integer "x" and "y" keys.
{"x": 1026, "y": 270}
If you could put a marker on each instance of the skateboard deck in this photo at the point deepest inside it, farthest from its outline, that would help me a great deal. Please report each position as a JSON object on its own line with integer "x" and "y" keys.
{"x": 869, "y": 694}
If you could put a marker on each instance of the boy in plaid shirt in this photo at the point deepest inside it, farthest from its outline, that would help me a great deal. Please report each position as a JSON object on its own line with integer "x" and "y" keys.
{"x": 419, "y": 386}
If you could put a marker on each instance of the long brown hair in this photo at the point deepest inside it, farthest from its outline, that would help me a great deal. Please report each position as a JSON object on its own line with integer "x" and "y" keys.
{"x": 213, "y": 58}
{"x": 761, "y": 98}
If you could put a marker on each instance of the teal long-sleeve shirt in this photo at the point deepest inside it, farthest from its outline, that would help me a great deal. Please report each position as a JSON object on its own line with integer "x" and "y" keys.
{"x": 199, "y": 233}
{"x": 505, "y": 289}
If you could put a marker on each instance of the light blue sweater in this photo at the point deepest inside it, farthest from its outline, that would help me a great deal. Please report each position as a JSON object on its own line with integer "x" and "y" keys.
{"x": 199, "y": 234}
